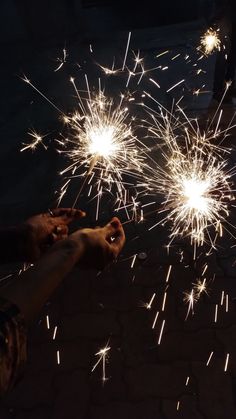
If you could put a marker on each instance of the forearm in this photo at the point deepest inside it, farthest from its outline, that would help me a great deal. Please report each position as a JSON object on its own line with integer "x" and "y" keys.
{"x": 32, "y": 289}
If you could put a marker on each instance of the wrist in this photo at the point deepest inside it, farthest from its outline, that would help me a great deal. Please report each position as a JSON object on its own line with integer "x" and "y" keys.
{"x": 72, "y": 248}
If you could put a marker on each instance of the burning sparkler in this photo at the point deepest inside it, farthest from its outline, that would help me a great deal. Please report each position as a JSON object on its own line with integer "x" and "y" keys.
{"x": 210, "y": 41}
{"x": 200, "y": 194}
{"x": 102, "y": 141}
{"x": 194, "y": 179}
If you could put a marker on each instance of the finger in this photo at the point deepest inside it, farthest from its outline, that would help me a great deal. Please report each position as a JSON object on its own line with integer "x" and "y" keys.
{"x": 57, "y": 237}
{"x": 61, "y": 229}
{"x": 112, "y": 228}
{"x": 68, "y": 214}
{"x": 53, "y": 238}
{"x": 118, "y": 243}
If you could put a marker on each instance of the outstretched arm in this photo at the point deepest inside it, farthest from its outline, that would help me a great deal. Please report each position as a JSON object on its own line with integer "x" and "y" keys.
{"x": 94, "y": 248}
{"x": 28, "y": 241}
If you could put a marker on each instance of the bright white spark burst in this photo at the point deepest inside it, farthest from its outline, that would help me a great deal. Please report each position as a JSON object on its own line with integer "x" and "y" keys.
{"x": 194, "y": 179}
{"x": 102, "y": 141}
{"x": 199, "y": 194}
{"x": 210, "y": 41}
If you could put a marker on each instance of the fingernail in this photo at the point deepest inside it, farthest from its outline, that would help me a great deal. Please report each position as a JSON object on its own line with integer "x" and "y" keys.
{"x": 80, "y": 213}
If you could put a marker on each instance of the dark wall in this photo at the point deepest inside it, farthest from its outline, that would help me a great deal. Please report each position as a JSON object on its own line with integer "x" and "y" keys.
{"x": 60, "y": 19}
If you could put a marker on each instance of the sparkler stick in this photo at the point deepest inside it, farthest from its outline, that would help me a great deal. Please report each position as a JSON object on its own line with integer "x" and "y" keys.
{"x": 81, "y": 188}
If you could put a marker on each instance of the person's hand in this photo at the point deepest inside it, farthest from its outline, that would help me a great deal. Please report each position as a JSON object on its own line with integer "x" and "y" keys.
{"x": 41, "y": 231}
{"x": 100, "y": 246}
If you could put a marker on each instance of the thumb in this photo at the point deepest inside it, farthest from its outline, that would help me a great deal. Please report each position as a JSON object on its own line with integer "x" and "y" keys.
{"x": 67, "y": 215}
{"x": 112, "y": 228}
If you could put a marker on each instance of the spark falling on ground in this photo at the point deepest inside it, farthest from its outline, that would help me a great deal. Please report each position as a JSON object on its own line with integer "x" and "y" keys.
{"x": 102, "y": 357}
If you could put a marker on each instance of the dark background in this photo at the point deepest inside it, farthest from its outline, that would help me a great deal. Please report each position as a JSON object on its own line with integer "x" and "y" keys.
{"x": 146, "y": 380}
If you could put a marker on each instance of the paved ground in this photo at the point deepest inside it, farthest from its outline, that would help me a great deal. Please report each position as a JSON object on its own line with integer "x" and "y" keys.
{"x": 145, "y": 379}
